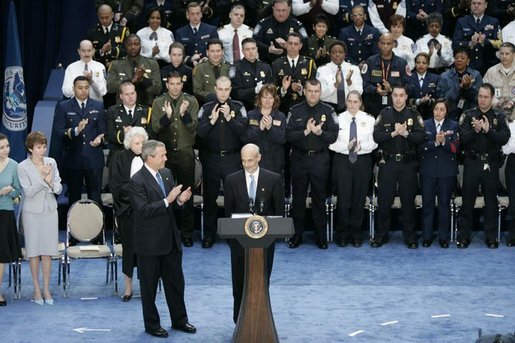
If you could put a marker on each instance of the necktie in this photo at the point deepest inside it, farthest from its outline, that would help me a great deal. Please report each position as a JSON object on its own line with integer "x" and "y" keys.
{"x": 252, "y": 188}
{"x": 353, "y": 133}
{"x": 359, "y": 32}
{"x": 217, "y": 71}
{"x": 130, "y": 113}
{"x": 293, "y": 71}
{"x": 86, "y": 67}
{"x": 421, "y": 82}
{"x": 340, "y": 91}
{"x": 195, "y": 30}
{"x": 478, "y": 21}
{"x": 82, "y": 106}
{"x": 106, "y": 31}
{"x": 153, "y": 36}
{"x": 161, "y": 183}
{"x": 438, "y": 128}
{"x": 236, "y": 46}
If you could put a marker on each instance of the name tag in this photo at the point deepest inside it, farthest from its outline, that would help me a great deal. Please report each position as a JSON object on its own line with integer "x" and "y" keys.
{"x": 395, "y": 74}
{"x": 276, "y": 122}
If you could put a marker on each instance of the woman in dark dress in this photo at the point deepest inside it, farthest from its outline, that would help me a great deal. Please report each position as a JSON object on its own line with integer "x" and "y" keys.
{"x": 9, "y": 191}
{"x": 119, "y": 176}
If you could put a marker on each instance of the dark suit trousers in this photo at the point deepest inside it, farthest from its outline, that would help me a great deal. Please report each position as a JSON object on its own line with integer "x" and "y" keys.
{"x": 75, "y": 178}
{"x": 351, "y": 182}
{"x": 238, "y": 271}
{"x": 391, "y": 174}
{"x": 169, "y": 269}
{"x": 509, "y": 173}
{"x": 126, "y": 225}
{"x": 432, "y": 187}
{"x": 473, "y": 175}
{"x": 182, "y": 164}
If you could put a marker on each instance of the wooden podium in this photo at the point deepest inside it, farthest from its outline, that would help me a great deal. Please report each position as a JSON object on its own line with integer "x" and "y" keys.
{"x": 255, "y": 320}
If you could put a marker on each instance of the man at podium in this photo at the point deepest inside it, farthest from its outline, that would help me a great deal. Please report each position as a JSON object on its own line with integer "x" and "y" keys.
{"x": 251, "y": 190}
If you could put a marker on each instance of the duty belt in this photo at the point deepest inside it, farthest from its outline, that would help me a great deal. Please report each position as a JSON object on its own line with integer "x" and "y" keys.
{"x": 223, "y": 153}
{"x": 484, "y": 157}
{"x": 399, "y": 157}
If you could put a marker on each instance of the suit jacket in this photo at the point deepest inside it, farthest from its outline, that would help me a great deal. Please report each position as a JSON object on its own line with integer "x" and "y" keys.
{"x": 439, "y": 161}
{"x": 78, "y": 153}
{"x": 155, "y": 229}
{"x": 269, "y": 193}
{"x": 36, "y": 192}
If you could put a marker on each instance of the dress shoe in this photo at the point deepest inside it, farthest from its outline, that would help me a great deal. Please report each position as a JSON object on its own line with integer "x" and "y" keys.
{"x": 426, "y": 243}
{"x": 295, "y": 241}
{"x": 463, "y": 243}
{"x": 443, "y": 244}
{"x": 159, "y": 332}
{"x": 412, "y": 245}
{"x": 378, "y": 242}
{"x": 3, "y": 303}
{"x": 341, "y": 243}
{"x": 207, "y": 243}
{"x": 322, "y": 243}
{"x": 510, "y": 243}
{"x": 187, "y": 242}
{"x": 357, "y": 243}
{"x": 126, "y": 298}
{"x": 186, "y": 327}
{"x": 492, "y": 244}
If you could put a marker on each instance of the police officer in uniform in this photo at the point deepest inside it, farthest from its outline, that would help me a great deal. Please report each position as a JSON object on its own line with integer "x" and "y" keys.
{"x": 398, "y": 132}
{"x": 310, "y": 129}
{"x": 175, "y": 123}
{"x": 249, "y": 74}
{"x": 380, "y": 73}
{"x": 221, "y": 125}
{"x": 319, "y": 42}
{"x": 483, "y": 131}
{"x": 176, "y": 52}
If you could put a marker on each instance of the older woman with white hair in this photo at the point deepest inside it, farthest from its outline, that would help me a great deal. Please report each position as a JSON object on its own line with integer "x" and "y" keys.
{"x": 120, "y": 171}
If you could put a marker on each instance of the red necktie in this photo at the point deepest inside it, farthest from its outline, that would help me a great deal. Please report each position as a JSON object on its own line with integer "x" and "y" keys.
{"x": 236, "y": 47}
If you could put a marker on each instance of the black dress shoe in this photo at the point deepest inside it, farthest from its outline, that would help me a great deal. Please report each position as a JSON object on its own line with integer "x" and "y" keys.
{"x": 443, "y": 244}
{"x": 3, "y": 303}
{"x": 159, "y": 332}
{"x": 322, "y": 243}
{"x": 463, "y": 243}
{"x": 207, "y": 243}
{"x": 510, "y": 243}
{"x": 295, "y": 241}
{"x": 342, "y": 243}
{"x": 492, "y": 244}
{"x": 357, "y": 243}
{"x": 412, "y": 245}
{"x": 187, "y": 242}
{"x": 126, "y": 298}
{"x": 426, "y": 243}
{"x": 378, "y": 242}
{"x": 186, "y": 327}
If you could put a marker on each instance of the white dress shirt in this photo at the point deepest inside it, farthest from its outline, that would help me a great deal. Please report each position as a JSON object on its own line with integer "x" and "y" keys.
{"x": 226, "y": 35}
{"x": 98, "y": 85}
{"x": 365, "y": 131}
{"x": 136, "y": 164}
{"x": 404, "y": 49}
{"x": 299, "y": 7}
{"x": 445, "y": 59}
{"x": 164, "y": 39}
{"x": 375, "y": 19}
{"x": 326, "y": 74}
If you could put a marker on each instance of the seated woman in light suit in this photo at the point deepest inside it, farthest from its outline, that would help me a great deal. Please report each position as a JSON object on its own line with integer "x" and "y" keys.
{"x": 40, "y": 182}
{"x": 438, "y": 170}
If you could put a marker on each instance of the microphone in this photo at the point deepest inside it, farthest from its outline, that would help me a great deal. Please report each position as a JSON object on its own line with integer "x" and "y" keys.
{"x": 251, "y": 205}
{"x": 261, "y": 206}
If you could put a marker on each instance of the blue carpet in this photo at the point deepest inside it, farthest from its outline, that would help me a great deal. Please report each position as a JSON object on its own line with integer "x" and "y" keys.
{"x": 391, "y": 294}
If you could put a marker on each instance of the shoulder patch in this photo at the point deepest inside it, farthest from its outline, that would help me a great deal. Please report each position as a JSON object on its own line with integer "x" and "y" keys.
{"x": 462, "y": 118}
{"x": 200, "y": 113}
{"x": 420, "y": 120}
{"x": 408, "y": 70}
{"x": 378, "y": 119}
{"x": 364, "y": 68}
{"x": 232, "y": 72}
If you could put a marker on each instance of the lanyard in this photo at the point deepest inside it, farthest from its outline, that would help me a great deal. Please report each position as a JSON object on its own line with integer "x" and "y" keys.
{"x": 385, "y": 75}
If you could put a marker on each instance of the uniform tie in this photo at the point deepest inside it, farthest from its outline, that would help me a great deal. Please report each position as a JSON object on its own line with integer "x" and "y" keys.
{"x": 438, "y": 128}
{"x": 359, "y": 32}
{"x": 85, "y": 67}
{"x": 293, "y": 68}
{"x": 252, "y": 188}
{"x": 130, "y": 113}
{"x": 236, "y": 47}
{"x": 106, "y": 31}
{"x": 195, "y": 30}
{"x": 340, "y": 91}
{"x": 353, "y": 134}
{"x": 82, "y": 106}
{"x": 421, "y": 82}
{"x": 161, "y": 183}
{"x": 478, "y": 21}
{"x": 153, "y": 36}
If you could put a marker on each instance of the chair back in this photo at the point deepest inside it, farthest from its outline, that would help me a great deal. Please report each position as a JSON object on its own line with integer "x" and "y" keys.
{"x": 85, "y": 220}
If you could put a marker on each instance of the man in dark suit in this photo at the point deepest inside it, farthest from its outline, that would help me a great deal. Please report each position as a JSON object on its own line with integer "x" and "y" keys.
{"x": 266, "y": 190}
{"x": 156, "y": 238}
{"x": 80, "y": 123}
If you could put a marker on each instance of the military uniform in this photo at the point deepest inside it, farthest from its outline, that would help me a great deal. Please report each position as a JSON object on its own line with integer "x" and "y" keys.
{"x": 482, "y": 152}
{"x": 504, "y": 84}
{"x": 397, "y": 166}
{"x": 186, "y": 73}
{"x": 344, "y": 15}
{"x": 429, "y": 84}
{"x": 310, "y": 164}
{"x": 268, "y": 29}
{"x": 204, "y": 79}
{"x": 315, "y": 43}
{"x": 481, "y": 57}
{"x": 117, "y": 118}
{"x": 374, "y": 71}
{"x": 122, "y": 70}
{"x": 360, "y": 46}
{"x": 245, "y": 75}
{"x": 418, "y": 28}
{"x": 178, "y": 135}
{"x": 116, "y": 36}
{"x": 219, "y": 155}
{"x": 195, "y": 43}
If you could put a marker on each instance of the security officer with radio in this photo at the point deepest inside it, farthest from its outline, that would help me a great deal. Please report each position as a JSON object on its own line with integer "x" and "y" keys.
{"x": 398, "y": 132}
{"x": 483, "y": 131}
{"x": 222, "y": 124}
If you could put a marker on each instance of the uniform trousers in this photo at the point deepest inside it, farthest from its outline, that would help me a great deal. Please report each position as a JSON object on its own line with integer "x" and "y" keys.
{"x": 442, "y": 188}
{"x": 509, "y": 173}
{"x": 75, "y": 179}
{"x": 351, "y": 182}
{"x": 391, "y": 174}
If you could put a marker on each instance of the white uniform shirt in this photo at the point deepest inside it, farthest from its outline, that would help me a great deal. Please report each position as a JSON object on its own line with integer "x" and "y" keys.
{"x": 299, "y": 7}
{"x": 98, "y": 85}
{"x": 226, "y": 35}
{"x": 164, "y": 39}
{"x": 365, "y": 131}
{"x": 375, "y": 19}
{"x": 404, "y": 49}
{"x": 326, "y": 74}
{"x": 508, "y": 32}
{"x": 445, "y": 59}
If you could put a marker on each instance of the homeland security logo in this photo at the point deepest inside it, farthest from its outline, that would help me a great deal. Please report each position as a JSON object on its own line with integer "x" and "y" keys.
{"x": 15, "y": 105}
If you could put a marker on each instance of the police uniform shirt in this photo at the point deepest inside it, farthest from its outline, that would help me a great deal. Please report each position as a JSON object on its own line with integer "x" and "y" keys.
{"x": 245, "y": 76}
{"x": 226, "y": 35}
{"x": 326, "y": 74}
{"x": 149, "y": 38}
{"x": 98, "y": 77}
{"x": 361, "y": 44}
{"x": 437, "y": 60}
{"x": 503, "y": 81}
{"x": 269, "y": 141}
{"x": 185, "y": 72}
{"x": 116, "y": 35}
{"x": 118, "y": 117}
{"x": 364, "y": 129}
{"x": 404, "y": 47}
